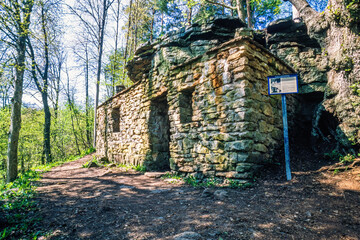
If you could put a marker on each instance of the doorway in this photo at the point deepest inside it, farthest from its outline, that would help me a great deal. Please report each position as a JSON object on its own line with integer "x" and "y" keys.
{"x": 159, "y": 129}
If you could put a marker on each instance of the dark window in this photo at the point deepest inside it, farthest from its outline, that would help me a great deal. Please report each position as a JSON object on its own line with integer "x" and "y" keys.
{"x": 185, "y": 104}
{"x": 115, "y": 114}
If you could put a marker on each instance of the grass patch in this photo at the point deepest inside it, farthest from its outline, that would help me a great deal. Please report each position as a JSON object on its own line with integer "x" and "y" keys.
{"x": 18, "y": 210}
{"x": 127, "y": 167}
{"x": 216, "y": 182}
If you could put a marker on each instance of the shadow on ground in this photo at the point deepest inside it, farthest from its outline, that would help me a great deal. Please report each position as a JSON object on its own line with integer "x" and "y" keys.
{"x": 98, "y": 203}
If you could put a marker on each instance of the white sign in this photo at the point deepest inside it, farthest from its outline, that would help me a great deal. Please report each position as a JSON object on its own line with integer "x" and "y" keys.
{"x": 283, "y": 84}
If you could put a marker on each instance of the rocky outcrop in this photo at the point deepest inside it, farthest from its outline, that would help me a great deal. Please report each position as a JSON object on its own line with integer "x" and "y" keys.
{"x": 179, "y": 46}
{"x": 337, "y": 29}
{"x": 289, "y": 40}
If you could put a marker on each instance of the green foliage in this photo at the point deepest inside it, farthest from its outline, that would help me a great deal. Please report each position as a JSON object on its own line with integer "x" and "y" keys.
{"x": 88, "y": 151}
{"x": 138, "y": 168}
{"x": 192, "y": 181}
{"x": 18, "y": 205}
{"x": 92, "y": 163}
{"x": 213, "y": 182}
{"x": 238, "y": 184}
{"x": 353, "y": 6}
{"x": 264, "y": 11}
{"x": 333, "y": 156}
{"x": 336, "y": 171}
{"x": 4, "y": 129}
{"x": 349, "y": 158}
{"x": 115, "y": 72}
{"x": 31, "y": 137}
{"x": 171, "y": 176}
{"x": 356, "y": 88}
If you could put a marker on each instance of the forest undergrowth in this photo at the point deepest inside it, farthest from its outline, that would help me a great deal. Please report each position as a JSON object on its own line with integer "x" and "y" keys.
{"x": 18, "y": 210}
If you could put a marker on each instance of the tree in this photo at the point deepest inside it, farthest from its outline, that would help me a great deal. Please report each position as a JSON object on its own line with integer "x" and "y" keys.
{"x": 258, "y": 13}
{"x": 239, "y": 7}
{"x": 114, "y": 72}
{"x": 93, "y": 15}
{"x": 83, "y": 52}
{"x": 337, "y": 31}
{"x": 45, "y": 38}
{"x": 15, "y": 19}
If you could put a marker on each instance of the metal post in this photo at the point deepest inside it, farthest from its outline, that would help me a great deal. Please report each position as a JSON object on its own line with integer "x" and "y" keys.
{"x": 286, "y": 138}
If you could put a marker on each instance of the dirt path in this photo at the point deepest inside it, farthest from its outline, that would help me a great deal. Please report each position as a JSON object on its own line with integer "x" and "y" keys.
{"x": 100, "y": 203}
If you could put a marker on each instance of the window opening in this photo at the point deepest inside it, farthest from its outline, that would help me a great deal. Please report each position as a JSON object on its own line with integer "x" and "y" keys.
{"x": 185, "y": 104}
{"x": 116, "y": 119}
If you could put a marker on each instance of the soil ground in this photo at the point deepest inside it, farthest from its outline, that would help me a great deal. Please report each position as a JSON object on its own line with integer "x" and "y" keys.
{"x": 103, "y": 203}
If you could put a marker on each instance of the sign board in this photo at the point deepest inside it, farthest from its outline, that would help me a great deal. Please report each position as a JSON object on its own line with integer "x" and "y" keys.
{"x": 283, "y": 84}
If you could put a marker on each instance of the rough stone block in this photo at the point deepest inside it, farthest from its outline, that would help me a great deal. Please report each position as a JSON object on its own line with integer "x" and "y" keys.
{"x": 243, "y": 145}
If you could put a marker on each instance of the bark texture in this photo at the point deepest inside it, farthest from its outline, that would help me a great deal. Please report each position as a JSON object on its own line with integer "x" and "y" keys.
{"x": 21, "y": 26}
{"x": 12, "y": 155}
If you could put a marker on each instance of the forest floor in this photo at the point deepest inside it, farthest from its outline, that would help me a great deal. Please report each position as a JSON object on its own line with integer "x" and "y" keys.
{"x": 103, "y": 203}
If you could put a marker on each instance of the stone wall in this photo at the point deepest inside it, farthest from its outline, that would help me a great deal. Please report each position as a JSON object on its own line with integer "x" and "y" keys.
{"x": 208, "y": 114}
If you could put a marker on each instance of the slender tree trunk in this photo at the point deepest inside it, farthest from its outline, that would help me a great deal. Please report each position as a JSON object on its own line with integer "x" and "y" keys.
{"x": 71, "y": 108}
{"x": 249, "y": 16}
{"x": 136, "y": 20}
{"x": 189, "y": 16}
{"x": 87, "y": 104}
{"x": 162, "y": 23}
{"x": 232, "y": 11}
{"x": 44, "y": 93}
{"x": 57, "y": 87}
{"x": 15, "y": 125}
{"x": 47, "y": 130}
{"x": 22, "y": 26}
{"x": 152, "y": 25}
{"x": 114, "y": 74}
{"x": 73, "y": 125}
{"x": 100, "y": 52}
{"x": 128, "y": 33}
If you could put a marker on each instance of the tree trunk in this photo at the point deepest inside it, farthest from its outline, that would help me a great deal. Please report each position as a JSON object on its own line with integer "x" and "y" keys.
{"x": 128, "y": 32}
{"x": 152, "y": 25}
{"x": 15, "y": 126}
{"x": 100, "y": 53}
{"x": 22, "y": 18}
{"x": 87, "y": 104}
{"x": 189, "y": 16}
{"x": 114, "y": 74}
{"x": 240, "y": 10}
{"x": 249, "y": 16}
{"x": 47, "y": 129}
{"x": 44, "y": 91}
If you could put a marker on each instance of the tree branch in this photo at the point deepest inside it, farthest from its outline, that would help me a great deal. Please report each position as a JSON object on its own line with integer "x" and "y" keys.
{"x": 221, "y": 4}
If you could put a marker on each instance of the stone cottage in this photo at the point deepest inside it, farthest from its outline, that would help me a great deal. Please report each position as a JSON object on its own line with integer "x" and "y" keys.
{"x": 199, "y": 105}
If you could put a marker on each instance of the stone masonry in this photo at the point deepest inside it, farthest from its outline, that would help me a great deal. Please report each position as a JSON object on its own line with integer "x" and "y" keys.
{"x": 199, "y": 106}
